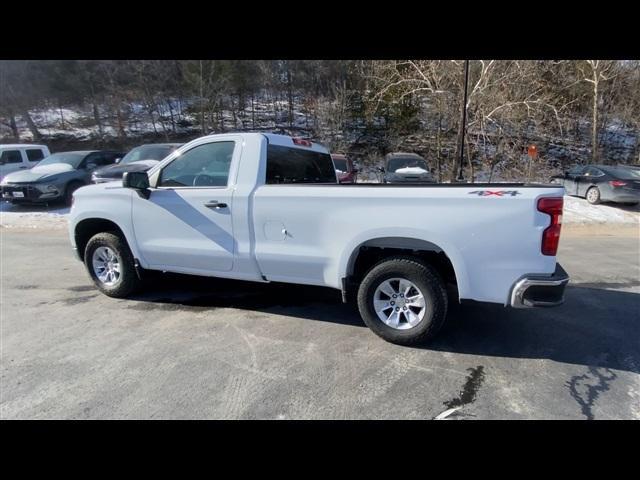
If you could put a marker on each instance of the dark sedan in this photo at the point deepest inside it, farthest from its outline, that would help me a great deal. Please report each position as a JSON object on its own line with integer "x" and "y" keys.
{"x": 602, "y": 183}
{"x": 55, "y": 177}
{"x": 140, "y": 159}
{"x": 405, "y": 168}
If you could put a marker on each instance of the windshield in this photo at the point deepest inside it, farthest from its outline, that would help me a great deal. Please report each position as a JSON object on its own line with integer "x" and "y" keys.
{"x": 624, "y": 173}
{"x": 70, "y": 158}
{"x": 340, "y": 164}
{"x": 404, "y": 162}
{"x": 147, "y": 152}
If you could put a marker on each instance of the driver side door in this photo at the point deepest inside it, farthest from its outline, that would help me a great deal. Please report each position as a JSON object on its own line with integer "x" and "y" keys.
{"x": 185, "y": 225}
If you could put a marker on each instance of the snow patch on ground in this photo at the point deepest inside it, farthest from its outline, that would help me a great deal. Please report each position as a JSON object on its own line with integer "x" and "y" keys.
{"x": 579, "y": 211}
{"x": 33, "y": 217}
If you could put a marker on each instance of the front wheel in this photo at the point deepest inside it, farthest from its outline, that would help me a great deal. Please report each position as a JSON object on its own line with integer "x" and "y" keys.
{"x": 110, "y": 264}
{"x": 593, "y": 196}
{"x": 403, "y": 300}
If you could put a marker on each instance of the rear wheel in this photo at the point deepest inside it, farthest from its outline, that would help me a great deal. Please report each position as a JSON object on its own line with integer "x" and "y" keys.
{"x": 403, "y": 300}
{"x": 110, "y": 264}
{"x": 593, "y": 195}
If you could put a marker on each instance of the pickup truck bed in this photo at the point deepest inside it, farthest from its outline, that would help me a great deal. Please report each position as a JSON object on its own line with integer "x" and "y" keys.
{"x": 486, "y": 240}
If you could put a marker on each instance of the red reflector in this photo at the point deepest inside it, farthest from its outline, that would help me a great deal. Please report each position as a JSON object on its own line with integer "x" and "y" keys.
{"x": 617, "y": 183}
{"x": 302, "y": 142}
{"x": 551, "y": 235}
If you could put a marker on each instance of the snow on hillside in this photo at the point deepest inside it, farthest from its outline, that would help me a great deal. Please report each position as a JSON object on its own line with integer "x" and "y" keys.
{"x": 576, "y": 212}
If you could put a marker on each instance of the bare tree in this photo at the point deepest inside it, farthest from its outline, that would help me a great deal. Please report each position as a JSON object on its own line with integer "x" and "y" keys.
{"x": 596, "y": 72}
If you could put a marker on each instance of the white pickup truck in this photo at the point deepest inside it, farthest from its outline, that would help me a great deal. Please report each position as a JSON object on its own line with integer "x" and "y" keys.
{"x": 268, "y": 208}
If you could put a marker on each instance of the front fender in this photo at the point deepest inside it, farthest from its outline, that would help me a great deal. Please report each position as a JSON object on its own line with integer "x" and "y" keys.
{"x": 90, "y": 204}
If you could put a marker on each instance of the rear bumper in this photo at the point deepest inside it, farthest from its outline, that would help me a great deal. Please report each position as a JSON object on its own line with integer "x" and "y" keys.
{"x": 540, "y": 290}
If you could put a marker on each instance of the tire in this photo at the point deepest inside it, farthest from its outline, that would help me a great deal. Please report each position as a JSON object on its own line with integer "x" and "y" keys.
{"x": 427, "y": 282}
{"x": 68, "y": 192}
{"x": 127, "y": 280}
{"x": 593, "y": 195}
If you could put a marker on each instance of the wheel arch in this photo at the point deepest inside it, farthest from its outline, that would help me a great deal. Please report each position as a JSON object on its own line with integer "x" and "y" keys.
{"x": 441, "y": 255}
{"x": 88, "y": 227}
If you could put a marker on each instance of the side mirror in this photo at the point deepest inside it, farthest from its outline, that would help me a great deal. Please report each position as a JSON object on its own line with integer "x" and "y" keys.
{"x": 135, "y": 180}
{"x": 354, "y": 170}
{"x": 91, "y": 166}
{"x": 381, "y": 169}
{"x": 117, "y": 160}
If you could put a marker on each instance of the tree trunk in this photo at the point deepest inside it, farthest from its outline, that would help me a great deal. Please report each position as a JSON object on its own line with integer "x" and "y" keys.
{"x": 61, "y": 117}
{"x": 173, "y": 121}
{"x": 438, "y": 145}
{"x": 96, "y": 118}
{"x": 202, "y": 125}
{"x": 460, "y": 140}
{"x": 253, "y": 112}
{"x": 473, "y": 176}
{"x": 32, "y": 126}
{"x": 594, "y": 126}
{"x": 121, "y": 131}
{"x": 290, "y": 96}
{"x": 14, "y": 126}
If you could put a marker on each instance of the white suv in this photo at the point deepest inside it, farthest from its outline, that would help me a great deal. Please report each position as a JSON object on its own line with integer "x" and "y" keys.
{"x": 20, "y": 156}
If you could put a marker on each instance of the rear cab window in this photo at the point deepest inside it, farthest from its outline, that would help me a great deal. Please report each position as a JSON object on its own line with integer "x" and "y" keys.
{"x": 34, "y": 154}
{"x": 288, "y": 165}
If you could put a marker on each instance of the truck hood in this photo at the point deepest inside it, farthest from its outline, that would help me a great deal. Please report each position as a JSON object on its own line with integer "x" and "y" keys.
{"x": 38, "y": 173}
{"x": 117, "y": 170}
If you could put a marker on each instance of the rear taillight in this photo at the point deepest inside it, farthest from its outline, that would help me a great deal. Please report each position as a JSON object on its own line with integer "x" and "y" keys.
{"x": 617, "y": 183}
{"x": 551, "y": 235}
{"x": 302, "y": 142}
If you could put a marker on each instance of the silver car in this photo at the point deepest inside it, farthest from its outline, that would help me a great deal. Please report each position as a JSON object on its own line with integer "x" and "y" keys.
{"x": 55, "y": 177}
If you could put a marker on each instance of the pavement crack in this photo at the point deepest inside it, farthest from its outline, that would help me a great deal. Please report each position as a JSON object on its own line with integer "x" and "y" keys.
{"x": 585, "y": 389}
{"x": 470, "y": 389}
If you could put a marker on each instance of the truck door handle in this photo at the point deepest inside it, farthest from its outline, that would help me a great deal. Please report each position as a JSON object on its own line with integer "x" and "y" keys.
{"x": 215, "y": 204}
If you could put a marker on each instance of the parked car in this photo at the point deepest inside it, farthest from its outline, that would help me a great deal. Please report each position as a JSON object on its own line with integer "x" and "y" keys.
{"x": 602, "y": 183}
{"x": 403, "y": 167}
{"x": 346, "y": 171}
{"x": 268, "y": 208}
{"x": 139, "y": 159}
{"x": 55, "y": 177}
{"x": 21, "y": 156}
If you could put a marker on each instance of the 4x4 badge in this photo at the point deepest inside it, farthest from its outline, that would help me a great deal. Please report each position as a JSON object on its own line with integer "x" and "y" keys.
{"x": 496, "y": 193}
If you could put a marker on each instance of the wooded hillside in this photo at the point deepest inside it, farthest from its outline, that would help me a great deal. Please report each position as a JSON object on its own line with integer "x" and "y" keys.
{"x": 574, "y": 111}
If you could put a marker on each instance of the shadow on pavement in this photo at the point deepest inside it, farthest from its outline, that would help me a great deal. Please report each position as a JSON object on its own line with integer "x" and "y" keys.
{"x": 595, "y": 327}
{"x": 54, "y": 207}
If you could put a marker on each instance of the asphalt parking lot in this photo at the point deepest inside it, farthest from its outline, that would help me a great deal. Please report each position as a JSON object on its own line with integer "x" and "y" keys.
{"x": 205, "y": 348}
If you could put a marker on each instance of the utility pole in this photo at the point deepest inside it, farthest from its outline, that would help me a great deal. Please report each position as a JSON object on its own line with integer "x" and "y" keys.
{"x": 463, "y": 122}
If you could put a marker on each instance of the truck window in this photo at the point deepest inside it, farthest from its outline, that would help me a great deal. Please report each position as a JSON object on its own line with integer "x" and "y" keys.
{"x": 10, "y": 156}
{"x": 34, "y": 154}
{"x": 203, "y": 166}
{"x": 295, "y": 165}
